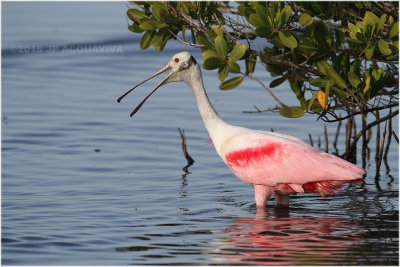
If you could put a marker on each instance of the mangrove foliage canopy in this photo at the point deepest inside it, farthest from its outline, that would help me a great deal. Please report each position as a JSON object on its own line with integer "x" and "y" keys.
{"x": 336, "y": 56}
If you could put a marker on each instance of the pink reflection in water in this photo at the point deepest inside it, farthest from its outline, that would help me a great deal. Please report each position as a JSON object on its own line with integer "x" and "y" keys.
{"x": 282, "y": 240}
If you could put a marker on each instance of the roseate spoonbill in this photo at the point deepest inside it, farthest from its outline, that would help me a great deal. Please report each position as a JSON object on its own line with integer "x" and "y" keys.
{"x": 273, "y": 163}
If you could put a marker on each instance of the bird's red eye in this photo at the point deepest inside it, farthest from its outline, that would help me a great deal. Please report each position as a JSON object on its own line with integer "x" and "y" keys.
{"x": 176, "y": 60}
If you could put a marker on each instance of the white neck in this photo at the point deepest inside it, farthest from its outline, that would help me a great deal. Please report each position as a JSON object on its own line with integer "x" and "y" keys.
{"x": 216, "y": 127}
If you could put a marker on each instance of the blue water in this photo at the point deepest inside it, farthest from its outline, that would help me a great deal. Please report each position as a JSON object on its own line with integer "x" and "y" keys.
{"x": 85, "y": 184}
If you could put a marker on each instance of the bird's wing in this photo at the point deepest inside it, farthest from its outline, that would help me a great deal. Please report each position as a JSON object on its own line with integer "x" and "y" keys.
{"x": 271, "y": 159}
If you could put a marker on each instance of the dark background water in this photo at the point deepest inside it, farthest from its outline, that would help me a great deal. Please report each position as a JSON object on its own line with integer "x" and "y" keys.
{"x": 82, "y": 183}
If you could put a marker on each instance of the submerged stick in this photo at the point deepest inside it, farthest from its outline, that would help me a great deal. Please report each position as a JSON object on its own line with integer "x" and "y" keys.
{"x": 349, "y": 125}
{"x": 369, "y": 135}
{"x": 326, "y": 139}
{"x": 389, "y": 139}
{"x": 336, "y": 137}
{"x": 379, "y": 158}
{"x": 355, "y": 141}
{"x": 364, "y": 139}
{"x": 184, "y": 149}
{"x": 311, "y": 141}
{"x": 378, "y": 136}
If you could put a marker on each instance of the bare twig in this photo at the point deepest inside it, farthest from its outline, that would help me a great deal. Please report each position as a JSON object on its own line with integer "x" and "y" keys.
{"x": 359, "y": 112}
{"x": 257, "y": 110}
{"x": 395, "y": 136}
{"x": 186, "y": 43}
{"x": 265, "y": 87}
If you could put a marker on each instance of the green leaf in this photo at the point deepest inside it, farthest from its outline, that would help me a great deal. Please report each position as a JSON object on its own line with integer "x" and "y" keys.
{"x": 209, "y": 53}
{"x": 223, "y": 72}
{"x": 134, "y": 13}
{"x": 231, "y": 83}
{"x": 311, "y": 101}
{"x": 340, "y": 35}
{"x": 361, "y": 37}
{"x": 264, "y": 31}
{"x": 391, "y": 20}
{"x": 327, "y": 94}
{"x": 296, "y": 86}
{"x": 160, "y": 12}
{"x": 131, "y": 14}
{"x": 277, "y": 82}
{"x": 221, "y": 46}
{"x": 367, "y": 83}
{"x": 353, "y": 79}
{"x": 211, "y": 34}
{"x": 320, "y": 82}
{"x": 219, "y": 31}
{"x": 321, "y": 33}
{"x": 319, "y": 56}
{"x": 377, "y": 73}
{"x": 370, "y": 18}
{"x": 256, "y": 20}
{"x": 233, "y": 67}
{"x": 251, "y": 64}
{"x": 184, "y": 7}
{"x": 149, "y": 25}
{"x": 303, "y": 103}
{"x": 291, "y": 112}
{"x": 202, "y": 39}
{"x": 261, "y": 12}
{"x": 354, "y": 38}
{"x": 360, "y": 25}
{"x": 327, "y": 69}
{"x": 160, "y": 39}
{"x": 238, "y": 52}
{"x": 287, "y": 39}
{"x": 145, "y": 42}
{"x": 384, "y": 48}
{"x": 305, "y": 19}
{"x": 369, "y": 50}
{"x": 212, "y": 63}
{"x": 381, "y": 24}
{"x": 135, "y": 28}
{"x": 394, "y": 30}
{"x": 285, "y": 14}
{"x": 353, "y": 28}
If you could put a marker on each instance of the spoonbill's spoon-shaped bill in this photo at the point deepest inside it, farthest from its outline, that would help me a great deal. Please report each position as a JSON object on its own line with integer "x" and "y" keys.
{"x": 180, "y": 62}
{"x": 164, "y": 69}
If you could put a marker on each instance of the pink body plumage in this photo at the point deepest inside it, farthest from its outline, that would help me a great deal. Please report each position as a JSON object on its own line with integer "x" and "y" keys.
{"x": 283, "y": 165}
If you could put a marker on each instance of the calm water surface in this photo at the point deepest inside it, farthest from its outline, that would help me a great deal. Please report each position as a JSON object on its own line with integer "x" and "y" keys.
{"x": 82, "y": 183}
